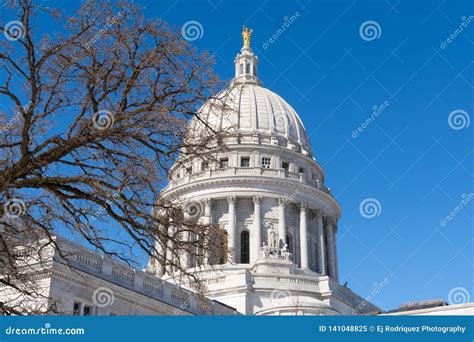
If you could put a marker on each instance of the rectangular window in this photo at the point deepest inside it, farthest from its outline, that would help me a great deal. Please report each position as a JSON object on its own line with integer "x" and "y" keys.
{"x": 224, "y": 163}
{"x": 245, "y": 162}
{"x": 87, "y": 310}
{"x": 204, "y": 166}
{"x": 301, "y": 170}
{"x": 76, "y": 310}
{"x": 266, "y": 162}
{"x": 285, "y": 166}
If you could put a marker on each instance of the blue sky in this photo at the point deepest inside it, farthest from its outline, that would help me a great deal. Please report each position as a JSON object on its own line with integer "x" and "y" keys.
{"x": 409, "y": 158}
{"x": 415, "y": 163}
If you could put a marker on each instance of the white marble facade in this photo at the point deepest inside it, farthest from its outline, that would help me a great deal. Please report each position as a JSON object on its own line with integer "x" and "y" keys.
{"x": 79, "y": 281}
{"x": 267, "y": 184}
{"x": 267, "y": 193}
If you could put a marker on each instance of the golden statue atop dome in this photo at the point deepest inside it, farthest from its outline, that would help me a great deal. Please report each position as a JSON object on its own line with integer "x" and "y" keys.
{"x": 246, "y": 33}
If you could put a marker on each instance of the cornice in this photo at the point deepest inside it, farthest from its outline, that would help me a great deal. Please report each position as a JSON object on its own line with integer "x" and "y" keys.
{"x": 251, "y": 181}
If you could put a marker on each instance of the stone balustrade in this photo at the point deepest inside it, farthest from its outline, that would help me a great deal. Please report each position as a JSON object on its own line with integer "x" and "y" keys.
{"x": 80, "y": 258}
{"x": 249, "y": 171}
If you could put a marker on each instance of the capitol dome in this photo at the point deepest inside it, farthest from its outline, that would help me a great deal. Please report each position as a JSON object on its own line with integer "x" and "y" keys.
{"x": 247, "y": 108}
{"x": 254, "y": 109}
{"x": 265, "y": 193}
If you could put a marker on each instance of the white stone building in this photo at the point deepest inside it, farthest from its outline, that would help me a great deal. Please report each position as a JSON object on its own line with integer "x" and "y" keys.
{"x": 268, "y": 196}
{"x": 74, "y": 280}
{"x": 277, "y": 218}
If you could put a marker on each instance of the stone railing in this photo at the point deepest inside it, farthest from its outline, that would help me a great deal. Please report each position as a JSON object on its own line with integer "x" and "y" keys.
{"x": 89, "y": 261}
{"x": 248, "y": 171}
{"x": 138, "y": 281}
{"x": 285, "y": 280}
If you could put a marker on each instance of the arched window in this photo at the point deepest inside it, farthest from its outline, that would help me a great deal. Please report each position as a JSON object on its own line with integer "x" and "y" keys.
{"x": 222, "y": 255}
{"x": 241, "y": 69}
{"x": 244, "y": 247}
{"x": 289, "y": 242}
{"x": 247, "y": 68}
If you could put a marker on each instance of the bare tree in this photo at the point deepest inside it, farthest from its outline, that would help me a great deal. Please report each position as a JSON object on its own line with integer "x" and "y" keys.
{"x": 98, "y": 113}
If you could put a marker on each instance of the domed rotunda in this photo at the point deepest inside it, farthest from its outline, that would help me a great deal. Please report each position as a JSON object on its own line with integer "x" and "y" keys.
{"x": 267, "y": 194}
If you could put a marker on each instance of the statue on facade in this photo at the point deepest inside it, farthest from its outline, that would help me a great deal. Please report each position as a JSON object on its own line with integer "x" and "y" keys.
{"x": 285, "y": 253}
{"x": 264, "y": 251}
{"x": 272, "y": 237}
{"x": 246, "y": 33}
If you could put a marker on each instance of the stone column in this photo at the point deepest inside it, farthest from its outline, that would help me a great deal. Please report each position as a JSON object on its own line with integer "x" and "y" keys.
{"x": 185, "y": 236}
{"x": 330, "y": 248}
{"x": 207, "y": 219}
{"x": 257, "y": 228}
{"x": 231, "y": 229}
{"x": 160, "y": 270}
{"x": 184, "y": 259}
{"x": 336, "y": 275}
{"x": 320, "y": 246}
{"x": 281, "y": 222}
{"x": 304, "y": 236}
{"x": 170, "y": 253}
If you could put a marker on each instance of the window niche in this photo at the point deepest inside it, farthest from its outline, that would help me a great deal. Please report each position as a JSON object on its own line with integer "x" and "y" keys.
{"x": 266, "y": 162}
{"x": 244, "y": 247}
{"x": 245, "y": 162}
